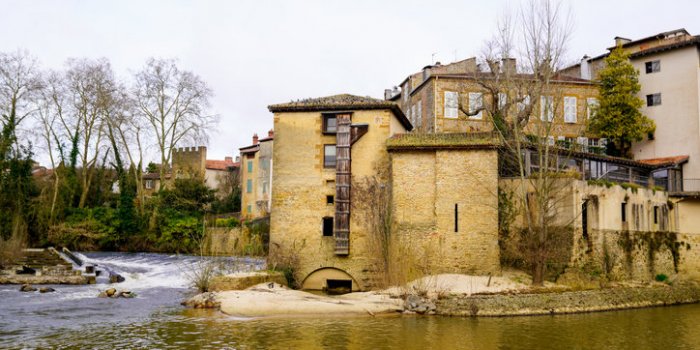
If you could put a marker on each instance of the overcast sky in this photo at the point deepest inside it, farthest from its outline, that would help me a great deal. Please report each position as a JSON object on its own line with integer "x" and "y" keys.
{"x": 256, "y": 53}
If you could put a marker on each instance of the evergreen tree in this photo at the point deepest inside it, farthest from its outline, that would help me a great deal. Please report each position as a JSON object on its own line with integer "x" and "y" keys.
{"x": 617, "y": 117}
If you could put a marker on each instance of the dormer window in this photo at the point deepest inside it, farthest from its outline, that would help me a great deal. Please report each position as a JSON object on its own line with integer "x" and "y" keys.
{"x": 330, "y": 124}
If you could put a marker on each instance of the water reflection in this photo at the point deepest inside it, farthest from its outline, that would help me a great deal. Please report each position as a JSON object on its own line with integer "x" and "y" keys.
{"x": 155, "y": 320}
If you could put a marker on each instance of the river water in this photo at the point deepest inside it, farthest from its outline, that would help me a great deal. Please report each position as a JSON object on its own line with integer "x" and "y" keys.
{"x": 74, "y": 318}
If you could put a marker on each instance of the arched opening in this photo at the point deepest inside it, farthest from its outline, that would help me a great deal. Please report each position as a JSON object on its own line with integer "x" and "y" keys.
{"x": 330, "y": 280}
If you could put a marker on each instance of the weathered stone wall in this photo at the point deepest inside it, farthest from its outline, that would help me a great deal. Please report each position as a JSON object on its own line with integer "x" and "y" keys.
{"x": 568, "y": 302}
{"x": 646, "y": 244}
{"x": 301, "y": 185}
{"x": 445, "y": 207}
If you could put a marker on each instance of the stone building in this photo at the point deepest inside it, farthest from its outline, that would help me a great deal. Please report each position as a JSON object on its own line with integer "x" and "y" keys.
{"x": 670, "y": 87}
{"x": 327, "y": 214}
{"x": 191, "y": 162}
{"x": 256, "y": 177}
{"x": 434, "y": 100}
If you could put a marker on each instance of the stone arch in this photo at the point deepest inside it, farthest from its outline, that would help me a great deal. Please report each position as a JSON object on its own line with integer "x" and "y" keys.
{"x": 319, "y": 279}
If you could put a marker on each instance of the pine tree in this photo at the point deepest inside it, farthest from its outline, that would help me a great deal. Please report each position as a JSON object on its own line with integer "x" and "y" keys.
{"x": 617, "y": 116}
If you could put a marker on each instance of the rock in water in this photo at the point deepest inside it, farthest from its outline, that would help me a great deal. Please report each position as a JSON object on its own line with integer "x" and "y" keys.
{"x": 27, "y": 288}
{"x": 110, "y": 292}
{"x": 415, "y": 303}
{"x": 115, "y": 278}
{"x": 46, "y": 290}
{"x": 203, "y": 301}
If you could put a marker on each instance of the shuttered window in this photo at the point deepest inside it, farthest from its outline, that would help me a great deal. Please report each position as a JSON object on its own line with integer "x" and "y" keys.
{"x": 451, "y": 104}
{"x": 546, "y": 108}
{"x": 569, "y": 109}
{"x": 591, "y": 106}
{"x": 476, "y": 102}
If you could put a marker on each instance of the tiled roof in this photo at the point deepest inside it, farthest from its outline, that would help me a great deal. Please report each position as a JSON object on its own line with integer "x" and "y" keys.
{"x": 675, "y": 160}
{"x": 341, "y": 102}
{"x": 214, "y": 164}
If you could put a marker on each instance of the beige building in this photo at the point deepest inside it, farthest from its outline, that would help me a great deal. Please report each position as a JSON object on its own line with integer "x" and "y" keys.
{"x": 440, "y": 208}
{"x": 434, "y": 100}
{"x": 221, "y": 173}
{"x": 669, "y": 74}
{"x": 256, "y": 177}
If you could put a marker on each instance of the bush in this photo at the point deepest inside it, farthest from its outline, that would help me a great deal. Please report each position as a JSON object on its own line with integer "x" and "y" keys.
{"x": 227, "y": 222}
{"x": 661, "y": 277}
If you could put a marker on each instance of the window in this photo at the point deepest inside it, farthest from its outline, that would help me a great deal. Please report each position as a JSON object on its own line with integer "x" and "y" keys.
{"x": 451, "y": 104}
{"x": 524, "y": 102}
{"x": 330, "y": 124}
{"x": 419, "y": 115}
{"x": 656, "y": 214}
{"x": 569, "y": 109}
{"x": 329, "y": 156}
{"x": 591, "y": 107}
{"x": 250, "y": 166}
{"x": 623, "y": 209}
{"x": 653, "y": 100}
{"x": 653, "y": 66}
{"x": 249, "y": 208}
{"x": 546, "y": 108}
{"x": 327, "y": 226}
{"x": 149, "y": 184}
{"x": 413, "y": 114}
{"x": 476, "y": 102}
{"x": 456, "y": 217}
{"x": 265, "y": 186}
{"x": 330, "y": 199}
{"x": 249, "y": 186}
{"x": 502, "y": 100}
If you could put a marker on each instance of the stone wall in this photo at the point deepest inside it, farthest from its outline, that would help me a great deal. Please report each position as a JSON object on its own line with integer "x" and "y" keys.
{"x": 445, "y": 208}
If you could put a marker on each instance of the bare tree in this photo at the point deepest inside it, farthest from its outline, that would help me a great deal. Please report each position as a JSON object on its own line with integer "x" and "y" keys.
{"x": 174, "y": 103}
{"x": 20, "y": 82}
{"x": 90, "y": 87}
{"x": 537, "y": 37}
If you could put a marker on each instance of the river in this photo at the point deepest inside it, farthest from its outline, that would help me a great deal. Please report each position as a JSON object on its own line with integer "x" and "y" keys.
{"x": 74, "y": 318}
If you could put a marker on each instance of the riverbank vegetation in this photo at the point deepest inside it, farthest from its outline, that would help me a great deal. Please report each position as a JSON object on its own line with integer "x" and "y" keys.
{"x": 95, "y": 134}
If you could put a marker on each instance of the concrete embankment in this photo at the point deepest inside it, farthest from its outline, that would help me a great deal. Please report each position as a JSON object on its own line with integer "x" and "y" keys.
{"x": 545, "y": 303}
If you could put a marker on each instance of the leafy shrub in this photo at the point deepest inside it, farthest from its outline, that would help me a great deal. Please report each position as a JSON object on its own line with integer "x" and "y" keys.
{"x": 227, "y": 222}
{"x": 661, "y": 277}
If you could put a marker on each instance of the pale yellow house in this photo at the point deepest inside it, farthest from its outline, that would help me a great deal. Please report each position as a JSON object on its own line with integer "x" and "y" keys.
{"x": 669, "y": 74}
{"x": 256, "y": 177}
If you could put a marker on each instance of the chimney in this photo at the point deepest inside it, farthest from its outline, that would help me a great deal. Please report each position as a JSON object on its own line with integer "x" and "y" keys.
{"x": 271, "y": 133}
{"x": 619, "y": 41}
{"x": 388, "y": 94}
{"x": 228, "y": 159}
{"x": 255, "y": 139}
{"x": 238, "y": 159}
{"x": 585, "y": 68}
{"x": 508, "y": 65}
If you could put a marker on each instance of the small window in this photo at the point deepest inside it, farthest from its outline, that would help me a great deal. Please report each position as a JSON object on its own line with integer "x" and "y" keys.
{"x": 327, "y": 226}
{"x": 653, "y": 100}
{"x": 249, "y": 186}
{"x": 329, "y": 156}
{"x": 653, "y": 66}
{"x": 249, "y": 208}
{"x": 623, "y": 211}
{"x": 149, "y": 184}
{"x": 330, "y": 199}
{"x": 250, "y": 166}
{"x": 570, "y": 109}
{"x": 330, "y": 124}
{"x": 656, "y": 214}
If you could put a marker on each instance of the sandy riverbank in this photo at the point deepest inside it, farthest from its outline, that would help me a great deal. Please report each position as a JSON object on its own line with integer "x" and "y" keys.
{"x": 449, "y": 295}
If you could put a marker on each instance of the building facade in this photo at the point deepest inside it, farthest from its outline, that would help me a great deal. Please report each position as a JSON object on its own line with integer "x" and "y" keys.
{"x": 256, "y": 177}
{"x": 669, "y": 75}
{"x": 435, "y": 100}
